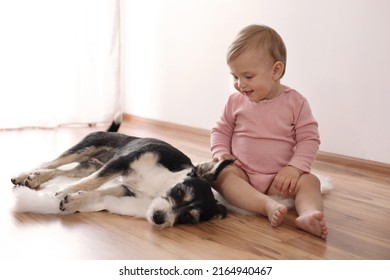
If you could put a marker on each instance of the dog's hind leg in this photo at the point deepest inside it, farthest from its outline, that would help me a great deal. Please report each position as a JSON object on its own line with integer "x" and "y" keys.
{"x": 48, "y": 170}
{"x": 85, "y": 201}
{"x": 40, "y": 176}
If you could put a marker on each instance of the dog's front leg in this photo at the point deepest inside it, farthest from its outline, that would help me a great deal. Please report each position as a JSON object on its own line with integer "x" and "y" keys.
{"x": 89, "y": 183}
{"x": 88, "y": 201}
{"x": 114, "y": 168}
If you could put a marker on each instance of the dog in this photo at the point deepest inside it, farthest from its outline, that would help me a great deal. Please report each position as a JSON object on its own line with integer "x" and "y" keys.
{"x": 113, "y": 169}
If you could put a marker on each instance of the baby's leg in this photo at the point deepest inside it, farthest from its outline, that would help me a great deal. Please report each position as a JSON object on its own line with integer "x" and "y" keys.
{"x": 310, "y": 207}
{"x": 233, "y": 185}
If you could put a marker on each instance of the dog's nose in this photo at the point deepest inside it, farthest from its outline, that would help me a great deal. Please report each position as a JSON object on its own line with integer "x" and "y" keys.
{"x": 158, "y": 217}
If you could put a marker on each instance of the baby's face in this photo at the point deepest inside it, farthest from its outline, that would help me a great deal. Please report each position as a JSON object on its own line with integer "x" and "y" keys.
{"x": 254, "y": 75}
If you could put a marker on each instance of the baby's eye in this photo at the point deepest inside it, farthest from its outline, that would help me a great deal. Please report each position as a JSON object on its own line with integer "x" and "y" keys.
{"x": 248, "y": 77}
{"x": 235, "y": 78}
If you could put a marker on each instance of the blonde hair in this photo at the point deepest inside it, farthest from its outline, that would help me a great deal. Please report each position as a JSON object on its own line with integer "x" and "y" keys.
{"x": 259, "y": 36}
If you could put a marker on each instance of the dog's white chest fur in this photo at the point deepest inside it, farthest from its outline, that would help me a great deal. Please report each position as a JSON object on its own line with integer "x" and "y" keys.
{"x": 150, "y": 179}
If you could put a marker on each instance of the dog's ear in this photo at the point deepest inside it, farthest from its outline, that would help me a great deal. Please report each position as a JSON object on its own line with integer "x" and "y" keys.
{"x": 209, "y": 171}
{"x": 221, "y": 212}
{"x": 201, "y": 169}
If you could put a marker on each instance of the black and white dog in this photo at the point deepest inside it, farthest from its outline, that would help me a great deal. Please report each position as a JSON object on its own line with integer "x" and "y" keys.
{"x": 119, "y": 173}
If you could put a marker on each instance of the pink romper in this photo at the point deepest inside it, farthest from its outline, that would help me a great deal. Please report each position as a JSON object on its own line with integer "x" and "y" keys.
{"x": 267, "y": 135}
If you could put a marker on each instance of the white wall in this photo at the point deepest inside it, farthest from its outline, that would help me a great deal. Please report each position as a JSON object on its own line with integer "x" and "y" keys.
{"x": 174, "y": 69}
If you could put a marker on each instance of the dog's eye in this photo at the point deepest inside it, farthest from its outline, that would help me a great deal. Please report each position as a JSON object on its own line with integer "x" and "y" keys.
{"x": 181, "y": 193}
{"x": 177, "y": 193}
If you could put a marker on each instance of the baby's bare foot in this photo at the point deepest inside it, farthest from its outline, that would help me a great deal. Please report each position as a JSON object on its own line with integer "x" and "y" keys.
{"x": 275, "y": 213}
{"x": 313, "y": 222}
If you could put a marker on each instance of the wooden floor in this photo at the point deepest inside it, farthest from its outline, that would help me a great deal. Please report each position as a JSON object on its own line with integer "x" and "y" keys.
{"x": 357, "y": 213}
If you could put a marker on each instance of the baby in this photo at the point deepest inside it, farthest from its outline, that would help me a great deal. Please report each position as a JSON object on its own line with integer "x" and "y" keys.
{"x": 269, "y": 130}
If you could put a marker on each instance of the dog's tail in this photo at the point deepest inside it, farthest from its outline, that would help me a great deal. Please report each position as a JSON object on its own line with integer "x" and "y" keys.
{"x": 116, "y": 123}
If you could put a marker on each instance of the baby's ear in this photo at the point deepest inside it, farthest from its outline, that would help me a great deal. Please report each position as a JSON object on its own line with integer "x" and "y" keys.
{"x": 278, "y": 69}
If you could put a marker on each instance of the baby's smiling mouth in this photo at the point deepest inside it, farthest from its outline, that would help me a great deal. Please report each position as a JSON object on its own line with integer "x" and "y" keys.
{"x": 247, "y": 93}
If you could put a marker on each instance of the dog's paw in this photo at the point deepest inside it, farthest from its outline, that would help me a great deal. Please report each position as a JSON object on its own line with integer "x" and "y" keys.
{"x": 20, "y": 179}
{"x": 34, "y": 180}
{"x": 60, "y": 194}
{"x": 71, "y": 202}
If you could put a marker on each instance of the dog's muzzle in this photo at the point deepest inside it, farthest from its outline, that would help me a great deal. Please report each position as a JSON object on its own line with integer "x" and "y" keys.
{"x": 160, "y": 212}
{"x": 158, "y": 217}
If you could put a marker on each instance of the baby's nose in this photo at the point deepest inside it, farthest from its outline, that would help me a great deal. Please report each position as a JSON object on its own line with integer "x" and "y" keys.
{"x": 241, "y": 84}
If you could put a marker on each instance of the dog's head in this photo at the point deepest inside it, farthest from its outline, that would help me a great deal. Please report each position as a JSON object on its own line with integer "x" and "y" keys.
{"x": 190, "y": 201}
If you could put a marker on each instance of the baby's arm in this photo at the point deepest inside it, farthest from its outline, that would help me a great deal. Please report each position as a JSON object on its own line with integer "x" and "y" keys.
{"x": 307, "y": 139}
{"x": 225, "y": 156}
{"x": 221, "y": 134}
{"x": 307, "y": 144}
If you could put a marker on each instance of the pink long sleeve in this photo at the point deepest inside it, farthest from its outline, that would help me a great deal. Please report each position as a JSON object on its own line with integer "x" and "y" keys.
{"x": 307, "y": 139}
{"x": 267, "y": 135}
{"x": 221, "y": 134}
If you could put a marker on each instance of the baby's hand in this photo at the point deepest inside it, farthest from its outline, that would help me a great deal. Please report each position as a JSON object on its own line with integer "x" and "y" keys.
{"x": 286, "y": 179}
{"x": 229, "y": 157}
